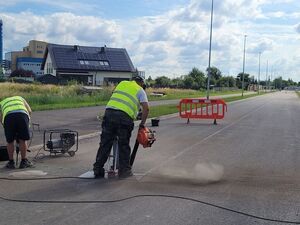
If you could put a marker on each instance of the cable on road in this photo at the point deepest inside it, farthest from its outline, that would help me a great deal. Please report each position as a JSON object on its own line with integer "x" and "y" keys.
{"x": 130, "y": 197}
{"x": 133, "y": 197}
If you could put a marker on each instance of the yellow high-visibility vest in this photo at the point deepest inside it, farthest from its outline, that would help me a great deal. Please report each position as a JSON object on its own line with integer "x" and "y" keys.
{"x": 12, "y": 104}
{"x": 124, "y": 98}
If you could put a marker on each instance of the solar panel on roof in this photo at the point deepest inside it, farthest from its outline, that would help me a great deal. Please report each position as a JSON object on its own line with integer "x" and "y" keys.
{"x": 67, "y": 58}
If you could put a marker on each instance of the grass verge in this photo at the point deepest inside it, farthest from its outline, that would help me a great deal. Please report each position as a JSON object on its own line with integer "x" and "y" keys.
{"x": 156, "y": 111}
{"x": 47, "y": 97}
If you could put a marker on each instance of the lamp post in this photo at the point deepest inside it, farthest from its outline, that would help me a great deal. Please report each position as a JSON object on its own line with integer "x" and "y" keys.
{"x": 270, "y": 78}
{"x": 259, "y": 54}
{"x": 243, "y": 81}
{"x": 267, "y": 68}
{"x": 209, "y": 55}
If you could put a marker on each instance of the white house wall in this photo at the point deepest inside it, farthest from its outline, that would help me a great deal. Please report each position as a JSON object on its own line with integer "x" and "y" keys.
{"x": 47, "y": 63}
{"x": 99, "y": 76}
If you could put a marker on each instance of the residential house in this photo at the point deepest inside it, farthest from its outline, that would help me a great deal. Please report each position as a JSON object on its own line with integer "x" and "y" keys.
{"x": 88, "y": 65}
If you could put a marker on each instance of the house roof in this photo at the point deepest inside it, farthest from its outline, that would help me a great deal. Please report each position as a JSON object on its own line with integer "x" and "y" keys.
{"x": 84, "y": 58}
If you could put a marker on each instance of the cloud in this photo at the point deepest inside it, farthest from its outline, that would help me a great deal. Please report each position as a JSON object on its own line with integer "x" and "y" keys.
{"x": 155, "y": 53}
{"x": 84, "y": 29}
{"x": 262, "y": 45}
{"x": 277, "y": 14}
{"x": 4, "y": 4}
{"x": 74, "y": 6}
{"x": 298, "y": 28}
{"x": 295, "y": 15}
{"x": 60, "y": 28}
{"x": 171, "y": 42}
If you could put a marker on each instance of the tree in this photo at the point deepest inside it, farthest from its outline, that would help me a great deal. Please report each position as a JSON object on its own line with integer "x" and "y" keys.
{"x": 198, "y": 78}
{"x": 225, "y": 82}
{"x": 188, "y": 82}
{"x": 231, "y": 81}
{"x": 215, "y": 73}
{"x": 150, "y": 82}
{"x": 162, "y": 81}
{"x": 177, "y": 83}
{"x": 239, "y": 80}
{"x": 149, "y": 79}
{"x": 278, "y": 83}
{"x": 291, "y": 82}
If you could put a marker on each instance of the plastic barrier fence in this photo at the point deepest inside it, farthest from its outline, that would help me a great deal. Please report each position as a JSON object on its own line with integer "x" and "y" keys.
{"x": 196, "y": 108}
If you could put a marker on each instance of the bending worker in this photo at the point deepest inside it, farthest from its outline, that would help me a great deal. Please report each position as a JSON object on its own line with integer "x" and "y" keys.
{"x": 14, "y": 114}
{"x": 118, "y": 120}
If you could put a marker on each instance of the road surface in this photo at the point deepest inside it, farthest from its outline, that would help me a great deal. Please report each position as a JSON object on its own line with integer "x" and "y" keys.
{"x": 84, "y": 120}
{"x": 245, "y": 170}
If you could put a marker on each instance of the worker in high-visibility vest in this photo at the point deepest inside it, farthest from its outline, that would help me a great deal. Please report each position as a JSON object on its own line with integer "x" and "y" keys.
{"x": 15, "y": 115}
{"x": 120, "y": 113}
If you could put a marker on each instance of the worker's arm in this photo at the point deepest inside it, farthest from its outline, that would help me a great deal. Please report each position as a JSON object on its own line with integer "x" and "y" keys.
{"x": 145, "y": 112}
{"x": 27, "y": 107}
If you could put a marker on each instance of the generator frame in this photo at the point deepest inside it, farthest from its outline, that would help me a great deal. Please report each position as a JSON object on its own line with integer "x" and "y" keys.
{"x": 52, "y": 135}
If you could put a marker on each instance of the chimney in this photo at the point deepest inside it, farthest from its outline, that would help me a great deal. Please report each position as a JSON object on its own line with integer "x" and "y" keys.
{"x": 76, "y": 47}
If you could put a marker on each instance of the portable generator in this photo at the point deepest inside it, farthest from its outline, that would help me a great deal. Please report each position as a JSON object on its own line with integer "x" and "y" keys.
{"x": 61, "y": 141}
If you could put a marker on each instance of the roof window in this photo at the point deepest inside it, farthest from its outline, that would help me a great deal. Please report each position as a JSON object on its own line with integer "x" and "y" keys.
{"x": 103, "y": 63}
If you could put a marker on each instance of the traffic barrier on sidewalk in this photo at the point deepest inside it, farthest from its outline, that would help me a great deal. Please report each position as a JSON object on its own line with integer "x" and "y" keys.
{"x": 197, "y": 108}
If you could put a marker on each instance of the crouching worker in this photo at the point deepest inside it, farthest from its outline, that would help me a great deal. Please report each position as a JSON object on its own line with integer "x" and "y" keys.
{"x": 14, "y": 114}
{"x": 118, "y": 121}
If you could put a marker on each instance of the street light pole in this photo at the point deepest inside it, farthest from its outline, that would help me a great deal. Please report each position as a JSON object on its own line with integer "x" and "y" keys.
{"x": 259, "y": 54}
{"x": 267, "y": 68}
{"x": 245, "y": 36}
{"x": 209, "y": 55}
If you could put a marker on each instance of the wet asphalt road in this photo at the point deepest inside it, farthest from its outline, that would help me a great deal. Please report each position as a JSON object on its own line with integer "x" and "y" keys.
{"x": 178, "y": 180}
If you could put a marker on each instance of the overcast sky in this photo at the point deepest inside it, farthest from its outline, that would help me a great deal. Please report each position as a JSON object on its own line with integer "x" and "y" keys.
{"x": 167, "y": 37}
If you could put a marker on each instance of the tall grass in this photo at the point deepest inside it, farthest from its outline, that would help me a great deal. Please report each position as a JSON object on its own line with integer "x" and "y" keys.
{"x": 42, "y": 97}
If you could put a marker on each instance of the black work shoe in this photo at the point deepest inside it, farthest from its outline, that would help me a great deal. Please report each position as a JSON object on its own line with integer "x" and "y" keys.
{"x": 125, "y": 174}
{"x": 99, "y": 173}
{"x": 10, "y": 164}
{"x": 25, "y": 163}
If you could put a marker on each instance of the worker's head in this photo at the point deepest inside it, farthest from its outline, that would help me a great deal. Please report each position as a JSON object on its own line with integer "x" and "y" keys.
{"x": 139, "y": 79}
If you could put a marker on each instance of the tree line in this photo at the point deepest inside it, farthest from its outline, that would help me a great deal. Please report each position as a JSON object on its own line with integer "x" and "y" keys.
{"x": 197, "y": 80}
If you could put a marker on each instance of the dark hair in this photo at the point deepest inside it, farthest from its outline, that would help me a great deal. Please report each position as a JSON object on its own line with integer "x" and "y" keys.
{"x": 138, "y": 78}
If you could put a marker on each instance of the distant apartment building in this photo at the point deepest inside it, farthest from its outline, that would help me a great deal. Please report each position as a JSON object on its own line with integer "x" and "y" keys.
{"x": 32, "y": 64}
{"x": 29, "y": 59}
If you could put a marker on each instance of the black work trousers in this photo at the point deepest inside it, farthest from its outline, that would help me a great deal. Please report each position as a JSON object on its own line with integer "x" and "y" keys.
{"x": 115, "y": 123}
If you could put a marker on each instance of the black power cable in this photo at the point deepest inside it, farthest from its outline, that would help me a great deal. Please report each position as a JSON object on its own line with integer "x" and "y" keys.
{"x": 132, "y": 197}
{"x": 43, "y": 178}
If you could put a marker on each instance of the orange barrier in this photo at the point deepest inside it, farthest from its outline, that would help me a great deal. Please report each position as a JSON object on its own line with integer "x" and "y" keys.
{"x": 196, "y": 108}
